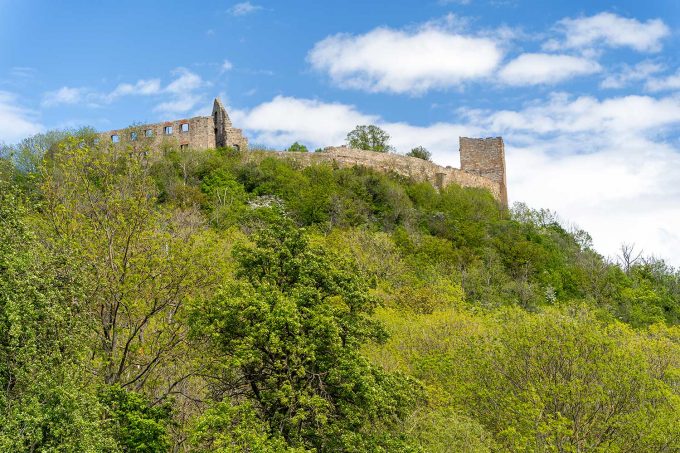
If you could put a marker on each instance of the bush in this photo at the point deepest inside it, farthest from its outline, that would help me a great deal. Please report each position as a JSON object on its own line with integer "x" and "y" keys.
{"x": 420, "y": 153}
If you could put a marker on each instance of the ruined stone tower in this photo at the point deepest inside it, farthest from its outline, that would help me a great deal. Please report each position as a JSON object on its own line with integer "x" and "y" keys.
{"x": 222, "y": 123}
{"x": 485, "y": 157}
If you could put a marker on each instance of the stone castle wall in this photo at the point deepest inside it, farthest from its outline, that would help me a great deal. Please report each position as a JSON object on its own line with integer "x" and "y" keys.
{"x": 200, "y": 132}
{"x": 411, "y": 167}
{"x": 482, "y": 159}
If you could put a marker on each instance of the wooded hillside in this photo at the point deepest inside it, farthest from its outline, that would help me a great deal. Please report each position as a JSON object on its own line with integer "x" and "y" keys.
{"x": 200, "y": 302}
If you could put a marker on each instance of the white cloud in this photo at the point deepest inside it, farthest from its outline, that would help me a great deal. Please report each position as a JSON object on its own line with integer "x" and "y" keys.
{"x": 630, "y": 74}
{"x": 541, "y": 68}
{"x": 620, "y": 116}
{"x": 140, "y": 88}
{"x": 671, "y": 82}
{"x": 610, "y": 30}
{"x": 284, "y": 120}
{"x": 625, "y": 191}
{"x": 82, "y": 95}
{"x": 387, "y": 60}
{"x": 226, "y": 66}
{"x": 64, "y": 95}
{"x": 244, "y": 8}
{"x": 602, "y": 164}
{"x": 184, "y": 93}
{"x": 186, "y": 81}
{"x": 16, "y": 122}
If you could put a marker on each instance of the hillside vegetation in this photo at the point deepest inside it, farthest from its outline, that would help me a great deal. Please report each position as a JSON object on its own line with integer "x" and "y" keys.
{"x": 201, "y": 302}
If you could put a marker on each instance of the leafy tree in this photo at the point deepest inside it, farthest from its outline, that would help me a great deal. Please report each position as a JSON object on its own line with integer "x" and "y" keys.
{"x": 226, "y": 197}
{"x": 369, "y": 138}
{"x": 224, "y": 428}
{"x": 290, "y": 329}
{"x": 47, "y": 400}
{"x": 133, "y": 422}
{"x": 297, "y": 148}
{"x": 140, "y": 263}
{"x": 563, "y": 380}
{"x": 420, "y": 152}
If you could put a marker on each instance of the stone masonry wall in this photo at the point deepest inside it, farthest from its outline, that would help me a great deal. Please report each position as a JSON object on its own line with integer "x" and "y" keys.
{"x": 236, "y": 139}
{"x": 203, "y": 132}
{"x": 485, "y": 157}
{"x": 411, "y": 167}
{"x": 200, "y": 134}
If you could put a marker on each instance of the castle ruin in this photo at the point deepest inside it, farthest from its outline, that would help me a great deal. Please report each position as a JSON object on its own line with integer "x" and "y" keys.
{"x": 201, "y": 132}
{"x": 482, "y": 160}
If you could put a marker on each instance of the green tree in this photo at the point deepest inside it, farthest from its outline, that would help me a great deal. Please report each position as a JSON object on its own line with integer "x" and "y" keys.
{"x": 224, "y": 428}
{"x": 133, "y": 422}
{"x": 369, "y": 138}
{"x": 564, "y": 381}
{"x": 420, "y": 152}
{"x": 290, "y": 330}
{"x": 47, "y": 399}
{"x": 297, "y": 148}
{"x": 140, "y": 263}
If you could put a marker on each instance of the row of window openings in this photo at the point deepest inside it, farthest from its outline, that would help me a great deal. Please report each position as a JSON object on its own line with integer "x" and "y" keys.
{"x": 167, "y": 130}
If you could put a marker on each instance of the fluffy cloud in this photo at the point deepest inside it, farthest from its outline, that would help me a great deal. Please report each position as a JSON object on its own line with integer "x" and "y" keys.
{"x": 16, "y": 122}
{"x": 243, "y": 9}
{"x": 283, "y": 120}
{"x": 541, "y": 68}
{"x": 182, "y": 93}
{"x": 618, "y": 116}
{"x": 140, "y": 88}
{"x": 630, "y": 74}
{"x": 387, "y": 60}
{"x": 671, "y": 82}
{"x": 226, "y": 66}
{"x": 435, "y": 57}
{"x": 610, "y": 30}
{"x": 602, "y": 164}
{"x": 64, "y": 95}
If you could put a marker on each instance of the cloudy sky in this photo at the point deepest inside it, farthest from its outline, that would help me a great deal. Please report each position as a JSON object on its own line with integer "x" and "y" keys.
{"x": 585, "y": 93}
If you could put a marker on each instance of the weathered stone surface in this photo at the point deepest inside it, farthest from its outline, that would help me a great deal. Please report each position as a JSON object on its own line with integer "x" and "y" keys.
{"x": 410, "y": 167}
{"x": 203, "y": 132}
{"x": 485, "y": 157}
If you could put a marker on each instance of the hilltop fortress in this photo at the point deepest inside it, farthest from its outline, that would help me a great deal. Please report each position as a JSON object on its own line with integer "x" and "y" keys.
{"x": 482, "y": 160}
{"x": 200, "y": 132}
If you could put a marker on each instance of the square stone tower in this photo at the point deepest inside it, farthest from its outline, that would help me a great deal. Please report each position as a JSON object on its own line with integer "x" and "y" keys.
{"x": 485, "y": 157}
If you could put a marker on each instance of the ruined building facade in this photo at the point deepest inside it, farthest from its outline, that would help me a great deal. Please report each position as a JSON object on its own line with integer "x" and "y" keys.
{"x": 201, "y": 132}
{"x": 482, "y": 160}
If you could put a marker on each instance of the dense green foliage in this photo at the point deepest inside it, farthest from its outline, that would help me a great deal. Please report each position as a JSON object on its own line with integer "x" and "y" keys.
{"x": 136, "y": 424}
{"x": 369, "y": 138}
{"x": 206, "y": 301}
{"x": 290, "y": 327}
{"x": 44, "y": 404}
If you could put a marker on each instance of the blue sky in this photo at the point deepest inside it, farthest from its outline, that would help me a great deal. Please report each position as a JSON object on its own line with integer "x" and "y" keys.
{"x": 585, "y": 93}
